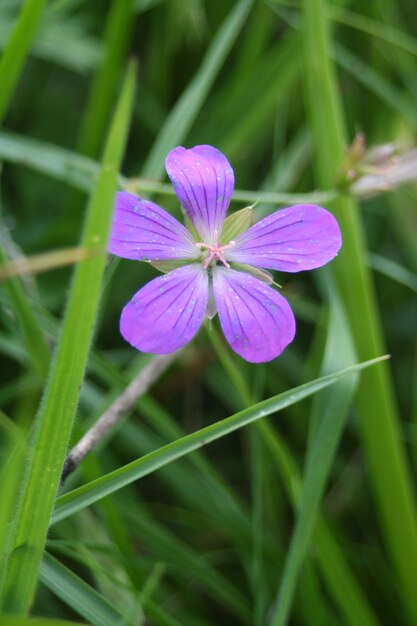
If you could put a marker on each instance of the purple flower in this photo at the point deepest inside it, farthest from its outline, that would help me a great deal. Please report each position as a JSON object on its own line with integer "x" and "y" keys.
{"x": 213, "y": 274}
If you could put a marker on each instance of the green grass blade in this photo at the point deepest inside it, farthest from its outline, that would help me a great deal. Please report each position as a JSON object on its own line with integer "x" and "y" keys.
{"x": 389, "y": 472}
{"x": 375, "y": 28}
{"x": 14, "y": 620}
{"x": 32, "y": 334}
{"x": 82, "y": 598}
{"x": 395, "y": 271}
{"x": 81, "y": 172}
{"x": 347, "y": 593}
{"x": 117, "y": 36}
{"x": 376, "y": 82}
{"x": 330, "y": 411}
{"x": 55, "y": 419}
{"x": 53, "y": 161}
{"x": 171, "y": 549}
{"x": 13, "y": 58}
{"x": 186, "y": 109}
{"x": 84, "y": 496}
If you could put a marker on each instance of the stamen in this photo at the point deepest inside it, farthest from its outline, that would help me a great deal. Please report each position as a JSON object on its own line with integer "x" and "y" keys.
{"x": 215, "y": 252}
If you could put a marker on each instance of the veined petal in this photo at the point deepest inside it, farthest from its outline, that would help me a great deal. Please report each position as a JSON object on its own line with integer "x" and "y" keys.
{"x": 203, "y": 181}
{"x": 257, "y": 322}
{"x": 141, "y": 230}
{"x": 166, "y": 313}
{"x": 298, "y": 238}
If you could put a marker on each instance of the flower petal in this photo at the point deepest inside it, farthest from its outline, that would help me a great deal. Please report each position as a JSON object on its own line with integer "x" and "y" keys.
{"x": 166, "y": 313}
{"x": 298, "y": 238}
{"x": 257, "y": 322}
{"x": 141, "y": 230}
{"x": 203, "y": 181}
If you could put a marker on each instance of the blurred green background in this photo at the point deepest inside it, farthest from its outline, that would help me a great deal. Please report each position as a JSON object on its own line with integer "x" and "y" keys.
{"x": 309, "y": 517}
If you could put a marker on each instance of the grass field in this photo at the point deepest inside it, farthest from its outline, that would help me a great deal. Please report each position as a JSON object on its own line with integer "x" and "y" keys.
{"x": 305, "y": 514}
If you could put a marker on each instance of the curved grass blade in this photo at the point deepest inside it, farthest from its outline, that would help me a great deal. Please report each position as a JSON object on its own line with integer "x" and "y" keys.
{"x": 82, "y": 497}
{"x": 56, "y": 415}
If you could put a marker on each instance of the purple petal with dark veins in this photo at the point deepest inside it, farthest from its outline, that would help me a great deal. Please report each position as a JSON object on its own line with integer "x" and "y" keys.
{"x": 298, "y": 238}
{"x": 257, "y": 322}
{"x": 166, "y": 313}
{"x": 141, "y": 230}
{"x": 203, "y": 181}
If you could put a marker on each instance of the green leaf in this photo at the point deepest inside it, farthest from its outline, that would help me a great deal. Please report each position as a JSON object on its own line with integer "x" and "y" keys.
{"x": 189, "y": 225}
{"x": 78, "y": 499}
{"x": 168, "y": 266}
{"x": 263, "y": 275}
{"x": 236, "y": 224}
{"x": 57, "y": 411}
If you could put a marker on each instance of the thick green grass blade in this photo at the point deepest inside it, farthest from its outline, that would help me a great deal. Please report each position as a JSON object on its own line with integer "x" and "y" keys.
{"x": 75, "y": 592}
{"x": 187, "y": 107}
{"x": 13, "y": 58}
{"x": 55, "y": 419}
{"x": 388, "y": 468}
{"x": 84, "y": 496}
{"x": 329, "y": 412}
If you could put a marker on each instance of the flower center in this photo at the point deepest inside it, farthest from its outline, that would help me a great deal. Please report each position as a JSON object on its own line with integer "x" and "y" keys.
{"x": 215, "y": 252}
